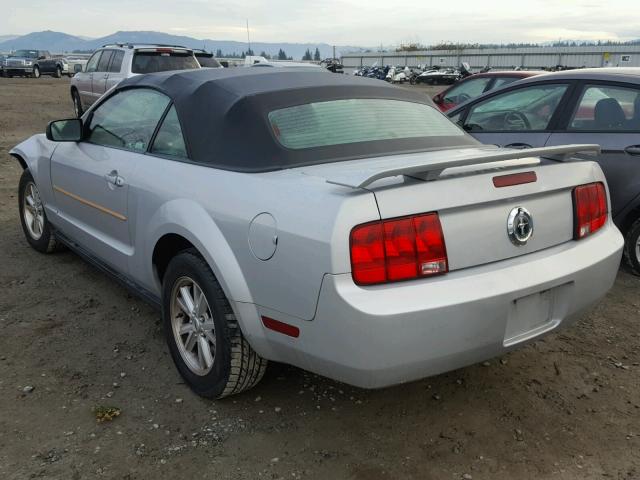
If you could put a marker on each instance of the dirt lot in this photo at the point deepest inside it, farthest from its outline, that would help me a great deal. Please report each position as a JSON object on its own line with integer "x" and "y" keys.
{"x": 567, "y": 406}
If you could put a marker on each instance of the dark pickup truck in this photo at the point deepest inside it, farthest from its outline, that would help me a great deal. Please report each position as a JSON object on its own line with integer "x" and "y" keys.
{"x": 33, "y": 63}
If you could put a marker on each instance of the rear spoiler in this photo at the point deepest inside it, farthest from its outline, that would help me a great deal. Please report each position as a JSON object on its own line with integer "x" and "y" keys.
{"x": 364, "y": 175}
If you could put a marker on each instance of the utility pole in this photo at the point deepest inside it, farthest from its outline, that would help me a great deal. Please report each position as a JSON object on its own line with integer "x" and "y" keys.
{"x": 334, "y": 52}
{"x": 248, "y": 38}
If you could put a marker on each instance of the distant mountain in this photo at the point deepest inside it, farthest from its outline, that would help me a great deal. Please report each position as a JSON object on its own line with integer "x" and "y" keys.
{"x": 4, "y": 38}
{"x": 47, "y": 40}
{"x": 57, "y": 42}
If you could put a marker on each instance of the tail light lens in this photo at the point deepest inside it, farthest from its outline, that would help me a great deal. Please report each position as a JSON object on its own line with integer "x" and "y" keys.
{"x": 398, "y": 249}
{"x": 590, "y": 209}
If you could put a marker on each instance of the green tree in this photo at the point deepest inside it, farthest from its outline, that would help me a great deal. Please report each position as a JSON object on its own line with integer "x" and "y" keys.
{"x": 265, "y": 55}
{"x": 316, "y": 56}
{"x": 219, "y": 53}
{"x": 307, "y": 55}
{"x": 282, "y": 55}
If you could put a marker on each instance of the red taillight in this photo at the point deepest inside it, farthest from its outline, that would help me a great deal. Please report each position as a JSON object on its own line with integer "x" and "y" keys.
{"x": 398, "y": 249}
{"x": 590, "y": 209}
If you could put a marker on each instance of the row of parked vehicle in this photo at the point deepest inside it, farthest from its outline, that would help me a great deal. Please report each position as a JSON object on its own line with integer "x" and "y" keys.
{"x": 426, "y": 250}
{"x": 35, "y": 63}
{"x": 427, "y": 75}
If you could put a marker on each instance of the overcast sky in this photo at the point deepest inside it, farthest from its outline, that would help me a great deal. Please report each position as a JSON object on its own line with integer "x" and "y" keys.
{"x": 341, "y": 22}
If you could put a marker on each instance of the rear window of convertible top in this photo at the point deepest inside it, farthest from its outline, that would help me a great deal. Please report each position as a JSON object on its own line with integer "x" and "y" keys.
{"x": 339, "y": 122}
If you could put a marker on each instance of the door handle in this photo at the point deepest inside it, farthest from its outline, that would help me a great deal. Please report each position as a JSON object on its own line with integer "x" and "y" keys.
{"x": 114, "y": 179}
{"x": 106, "y": 76}
{"x": 633, "y": 150}
{"x": 518, "y": 145}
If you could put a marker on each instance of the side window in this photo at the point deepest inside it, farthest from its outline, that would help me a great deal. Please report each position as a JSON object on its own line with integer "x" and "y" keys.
{"x": 127, "y": 119}
{"x": 116, "y": 61}
{"x": 169, "y": 140}
{"x": 526, "y": 109}
{"x": 103, "y": 64}
{"x": 467, "y": 90}
{"x": 92, "y": 64}
{"x": 605, "y": 108}
{"x": 502, "y": 81}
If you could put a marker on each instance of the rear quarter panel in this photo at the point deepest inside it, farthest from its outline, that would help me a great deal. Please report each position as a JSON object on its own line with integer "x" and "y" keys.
{"x": 214, "y": 208}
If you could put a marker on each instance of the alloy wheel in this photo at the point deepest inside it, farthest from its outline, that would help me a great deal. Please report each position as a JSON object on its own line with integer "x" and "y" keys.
{"x": 33, "y": 211}
{"x": 193, "y": 326}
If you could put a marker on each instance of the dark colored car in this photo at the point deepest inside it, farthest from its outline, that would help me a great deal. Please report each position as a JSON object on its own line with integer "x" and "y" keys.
{"x": 600, "y": 105}
{"x": 477, "y": 84}
{"x": 33, "y": 63}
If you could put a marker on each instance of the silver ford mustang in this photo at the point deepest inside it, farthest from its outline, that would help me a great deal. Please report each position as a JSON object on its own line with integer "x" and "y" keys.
{"x": 330, "y": 222}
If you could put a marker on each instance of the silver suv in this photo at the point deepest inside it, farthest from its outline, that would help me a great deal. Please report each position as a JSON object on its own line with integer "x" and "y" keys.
{"x": 111, "y": 64}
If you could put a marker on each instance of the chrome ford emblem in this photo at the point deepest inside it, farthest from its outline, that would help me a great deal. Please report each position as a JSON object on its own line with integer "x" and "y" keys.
{"x": 519, "y": 226}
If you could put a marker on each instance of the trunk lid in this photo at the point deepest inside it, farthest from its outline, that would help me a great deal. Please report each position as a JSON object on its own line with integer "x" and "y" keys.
{"x": 473, "y": 211}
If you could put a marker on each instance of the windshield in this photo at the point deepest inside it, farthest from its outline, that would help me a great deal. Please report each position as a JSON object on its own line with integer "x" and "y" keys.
{"x": 340, "y": 122}
{"x": 26, "y": 53}
{"x": 150, "y": 62}
{"x": 207, "y": 60}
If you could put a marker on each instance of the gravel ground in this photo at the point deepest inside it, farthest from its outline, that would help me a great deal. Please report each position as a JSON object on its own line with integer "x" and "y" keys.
{"x": 565, "y": 407}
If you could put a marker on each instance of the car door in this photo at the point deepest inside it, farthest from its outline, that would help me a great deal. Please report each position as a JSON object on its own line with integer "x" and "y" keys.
{"x": 520, "y": 117}
{"x": 90, "y": 178}
{"x": 101, "y": 75}
{"x": 115, "y": 74}
{"x": 84, "y": 80}
{"x": 608, "y": 114}
{"x": 45, "y": 62}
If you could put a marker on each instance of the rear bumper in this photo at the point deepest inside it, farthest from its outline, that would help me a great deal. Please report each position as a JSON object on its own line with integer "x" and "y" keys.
{"x": 379, "y": 336}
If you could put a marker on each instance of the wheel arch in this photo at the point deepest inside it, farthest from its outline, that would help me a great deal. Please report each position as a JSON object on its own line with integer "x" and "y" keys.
{"x": 181, "y": 224}
{"x": 199, "y": 231}
{"x": 20, "y": 160}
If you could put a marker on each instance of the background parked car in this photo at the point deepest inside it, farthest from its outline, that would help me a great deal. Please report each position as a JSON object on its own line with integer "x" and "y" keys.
{"x": 77, "y": 63}
{"x": 206, "y": 59}
{"x": 33, "y": 63}
{"x": 111, "y": 64}
{"x": 477, "y": 84}
{"x": 578, "y": 106}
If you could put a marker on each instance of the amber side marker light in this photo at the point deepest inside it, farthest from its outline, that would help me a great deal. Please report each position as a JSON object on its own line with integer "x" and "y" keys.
{"x": 281, "y": 327}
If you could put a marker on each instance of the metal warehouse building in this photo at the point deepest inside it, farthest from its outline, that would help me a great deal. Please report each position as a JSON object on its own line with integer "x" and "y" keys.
{"x": 505, "y": 58}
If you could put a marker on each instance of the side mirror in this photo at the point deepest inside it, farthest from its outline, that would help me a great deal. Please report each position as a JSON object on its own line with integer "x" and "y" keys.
{"x": 437, "y": 99}
{"x": 77, "y": 68}
{"x": 65, "y": 130}
{"x": 42, "y": 57}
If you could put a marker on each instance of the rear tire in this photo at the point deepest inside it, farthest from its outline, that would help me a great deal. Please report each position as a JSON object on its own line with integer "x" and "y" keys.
{"x": 33, "y": 218}
{"x": 205, "y": 341}
{"x": 632, "y": 247}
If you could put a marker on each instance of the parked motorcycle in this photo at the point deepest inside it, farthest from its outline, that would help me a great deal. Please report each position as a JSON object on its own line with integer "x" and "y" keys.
{"x": 397, "y": 75}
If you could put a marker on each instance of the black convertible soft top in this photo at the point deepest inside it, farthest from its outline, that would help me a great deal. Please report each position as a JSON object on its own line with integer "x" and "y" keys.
{"x": 223, "y": 114}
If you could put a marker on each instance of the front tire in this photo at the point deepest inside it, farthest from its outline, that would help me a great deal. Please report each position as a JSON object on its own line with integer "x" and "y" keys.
{"x": 33, "y": 218}
{"x": 36, "y": 72}
{"x": 632, "y": 247}
{"x": 77, "y": 103}
{"x": 202, "y": 332}
{"x": 58, "y": 73}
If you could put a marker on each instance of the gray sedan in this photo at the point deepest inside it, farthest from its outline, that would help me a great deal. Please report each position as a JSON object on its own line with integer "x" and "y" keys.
{"x": 592, "y": 105}
{"x": 335, "y": 223}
